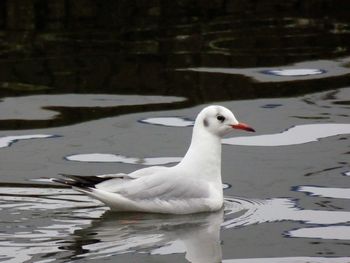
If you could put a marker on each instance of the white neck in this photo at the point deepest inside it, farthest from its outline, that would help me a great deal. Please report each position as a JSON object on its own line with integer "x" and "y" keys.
{"x": 204, "y": 154}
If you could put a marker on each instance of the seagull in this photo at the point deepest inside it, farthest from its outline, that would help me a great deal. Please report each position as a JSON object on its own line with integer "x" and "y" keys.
{"x": 192, "y": 186}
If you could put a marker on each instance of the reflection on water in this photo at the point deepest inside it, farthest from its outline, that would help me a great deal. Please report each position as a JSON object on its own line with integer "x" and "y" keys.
{"x": 326, "y": 232}
{"x": 121, "y": 47}
{"x": 54, "y": 52}
{"x": 37, "y": 111}
{"x": 75, "y": 226}
{"x": 296, "y": 135}
{"x": 8, "y": 140}
{"x": 43, "y": 106}
{"x": 294, "y": 72}
{"x": 290, "y": 260}
{"x": 282, "y": 209}
{"x": 117, "y": 158}
{"x": 331, "y": 192}
{"x": 197, "y": 235}
{"x": 169, "y": 121}
{"x": 299, "y": 71}
{"x": 39, "y": 220}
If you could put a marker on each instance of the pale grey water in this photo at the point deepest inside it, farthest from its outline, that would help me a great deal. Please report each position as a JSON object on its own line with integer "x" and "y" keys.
{"x": 289, "y": 201}
{"x": 93, "y": 87}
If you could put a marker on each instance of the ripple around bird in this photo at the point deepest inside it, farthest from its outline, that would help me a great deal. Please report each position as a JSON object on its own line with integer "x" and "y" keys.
{"x": 60, "y": 220}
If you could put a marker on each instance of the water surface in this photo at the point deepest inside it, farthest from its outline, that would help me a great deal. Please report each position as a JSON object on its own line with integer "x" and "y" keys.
{"x": 296, "y": 202}
{"x": 113, "y": 87}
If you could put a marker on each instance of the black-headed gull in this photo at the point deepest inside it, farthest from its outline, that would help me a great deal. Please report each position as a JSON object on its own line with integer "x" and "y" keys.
{"x": 193, "y": 185}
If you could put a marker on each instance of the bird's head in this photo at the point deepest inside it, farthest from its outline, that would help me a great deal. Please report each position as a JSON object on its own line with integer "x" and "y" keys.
{"x": 220, "y": 121}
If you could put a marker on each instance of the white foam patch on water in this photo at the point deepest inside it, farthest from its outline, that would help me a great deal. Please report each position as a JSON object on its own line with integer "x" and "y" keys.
{"x": 8, "y": 140}
{"x": 296, "y": 135}
{"x": 116, "y": 158}
{"x": 169, "y": 121}
{"x": 325, "y": 191}
{"x": 325, "y": 232}
{"x": 294, "y": 72}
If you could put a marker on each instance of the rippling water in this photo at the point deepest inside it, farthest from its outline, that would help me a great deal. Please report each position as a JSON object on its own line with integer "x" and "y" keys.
{"x": 70, "y": 226}
{"x": 289, "y": 185}
{"x": 113, "y": 87}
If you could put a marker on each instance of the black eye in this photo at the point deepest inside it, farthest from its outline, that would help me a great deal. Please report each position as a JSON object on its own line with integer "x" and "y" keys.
{"x": 220, "y": 118}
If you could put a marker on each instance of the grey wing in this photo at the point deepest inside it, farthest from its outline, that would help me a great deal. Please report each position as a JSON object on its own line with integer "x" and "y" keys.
{"x": 120, "y": 181}
{"x": 149, "y": 171}
{"x": 108, "y": 182}
{"x": 164, "y": 188}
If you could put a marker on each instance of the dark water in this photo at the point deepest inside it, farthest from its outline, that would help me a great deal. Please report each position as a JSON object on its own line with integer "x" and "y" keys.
{"x": 91, "y": 87}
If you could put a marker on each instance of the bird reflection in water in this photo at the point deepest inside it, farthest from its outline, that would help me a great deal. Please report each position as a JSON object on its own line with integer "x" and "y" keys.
{"x": 197, "y": 235}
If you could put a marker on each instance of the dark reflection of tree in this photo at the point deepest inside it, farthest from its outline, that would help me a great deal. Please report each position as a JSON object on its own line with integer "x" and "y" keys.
{"x": 135, "y": 47}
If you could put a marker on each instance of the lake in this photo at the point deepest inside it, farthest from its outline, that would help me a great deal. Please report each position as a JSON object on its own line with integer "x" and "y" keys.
{"x": 97, "y": 88}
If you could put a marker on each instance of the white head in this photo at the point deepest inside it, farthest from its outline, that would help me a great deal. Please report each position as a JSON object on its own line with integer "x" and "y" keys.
{"x": 219, "y": 121}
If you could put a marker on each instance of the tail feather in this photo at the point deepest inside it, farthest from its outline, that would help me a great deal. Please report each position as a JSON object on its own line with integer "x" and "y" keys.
{"x": 86, "y": 180}
{"x": 79, "y": 181}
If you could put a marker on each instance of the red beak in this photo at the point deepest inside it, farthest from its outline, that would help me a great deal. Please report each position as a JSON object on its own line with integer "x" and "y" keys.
{"x": 243, "y": 126}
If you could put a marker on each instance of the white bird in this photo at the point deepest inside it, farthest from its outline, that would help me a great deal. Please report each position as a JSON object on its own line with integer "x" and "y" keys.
{"x": 193, "y": 185}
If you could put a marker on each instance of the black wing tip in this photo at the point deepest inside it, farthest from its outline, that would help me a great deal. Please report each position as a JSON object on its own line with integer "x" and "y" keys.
{"x": 79, "y": 186}
{"x": 73, "y": 181}
{"x": 80, "y": 181}
{"x": 64, "y": 181}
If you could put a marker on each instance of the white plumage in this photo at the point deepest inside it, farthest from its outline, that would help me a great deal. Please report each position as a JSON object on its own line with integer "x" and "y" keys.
{"x": 193, "y": 185}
